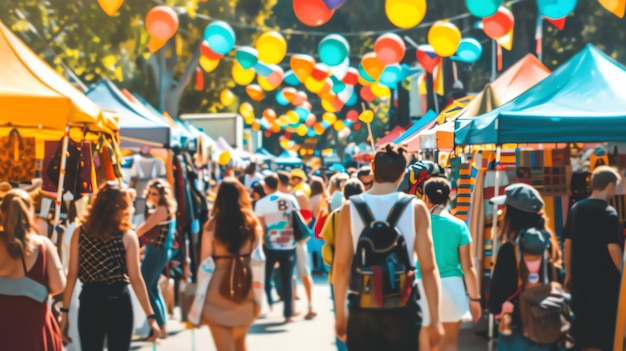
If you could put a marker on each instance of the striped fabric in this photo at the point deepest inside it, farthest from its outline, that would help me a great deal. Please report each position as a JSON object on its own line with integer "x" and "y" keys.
{"x": 101, "y": 261}
{"x": 464, "y": 192}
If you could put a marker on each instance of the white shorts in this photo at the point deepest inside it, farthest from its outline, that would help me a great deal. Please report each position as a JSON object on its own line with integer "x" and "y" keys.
{"x": 453, "y": 302}
{"x": 303, "y": 268}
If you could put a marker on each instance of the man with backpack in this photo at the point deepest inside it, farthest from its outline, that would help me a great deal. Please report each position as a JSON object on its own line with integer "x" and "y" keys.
{"x": 379, "y": 234}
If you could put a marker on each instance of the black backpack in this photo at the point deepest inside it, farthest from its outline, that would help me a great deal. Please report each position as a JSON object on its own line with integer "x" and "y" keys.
{"x": 382, "y": 274}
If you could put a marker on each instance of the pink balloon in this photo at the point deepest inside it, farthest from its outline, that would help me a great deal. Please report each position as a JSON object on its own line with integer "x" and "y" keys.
{"x": 299, "y": 98}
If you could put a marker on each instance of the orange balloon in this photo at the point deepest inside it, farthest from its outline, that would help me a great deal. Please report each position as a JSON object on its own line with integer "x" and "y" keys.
{"x": 269, "y": 114}
{"x": 372, "y": 65}
{"x": 289, "y": 93}
{"x": 307, "y": 105}
{"x": 313, "y": 13}
{"x": 255, "y": 92}
{"x": 311, "y": 120}
{"x": 302, "y": 66}
{"x": 162, "y": 22}
{"x": 110, "y": 7}
{"x": 299, "y": 98}
{"x": 276, "y": 128}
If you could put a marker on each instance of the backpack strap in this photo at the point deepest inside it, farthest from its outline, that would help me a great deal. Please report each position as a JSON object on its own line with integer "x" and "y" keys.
{"x": 364, "y": 211}
{"x": 398, "y": 209}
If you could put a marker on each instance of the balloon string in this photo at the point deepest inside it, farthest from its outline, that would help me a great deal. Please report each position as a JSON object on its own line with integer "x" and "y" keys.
{"x": 455, "y": 71}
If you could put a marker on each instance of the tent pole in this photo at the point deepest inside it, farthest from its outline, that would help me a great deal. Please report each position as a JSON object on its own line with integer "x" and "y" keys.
{"x": 494, "y": 229}
{"x": 57, "y": 202}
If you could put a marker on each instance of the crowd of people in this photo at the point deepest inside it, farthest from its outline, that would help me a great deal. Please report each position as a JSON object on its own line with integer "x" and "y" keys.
{"x": 401, "y": 270}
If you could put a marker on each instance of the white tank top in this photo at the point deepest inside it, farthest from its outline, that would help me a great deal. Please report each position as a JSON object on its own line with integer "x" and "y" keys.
{"x": 380, "y": 205}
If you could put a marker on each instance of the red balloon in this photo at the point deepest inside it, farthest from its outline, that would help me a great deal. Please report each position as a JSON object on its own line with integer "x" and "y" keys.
{"x": 352, "y": 77}
{"x": 206, "y": 51}
{"x": 500, "y": 24}
{"x": 389, "y": 48}
{"x": 357, "y": 126}
{"x": 367, "y": 94}
{"x": 313, "y": 13}
{"x": 310, "y": 120}
{"x": 352, "y": 116}
{"x": 199, "y": 79}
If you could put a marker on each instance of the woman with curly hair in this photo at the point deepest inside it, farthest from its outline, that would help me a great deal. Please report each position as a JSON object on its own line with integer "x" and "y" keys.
{"x": 104, "y": 255}
{"x": 232, "y": 231}
{"x": 30, "y": 271}
{"x": 158, "y": 231}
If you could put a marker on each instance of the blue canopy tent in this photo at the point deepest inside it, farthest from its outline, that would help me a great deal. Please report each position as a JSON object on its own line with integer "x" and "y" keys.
{"x": 135, "y": 128}
{"x": 288, "y": 160}
{"x": 584, "y": 100}
{"x": 180, "y": 133}
{"x": 427, "y": 120}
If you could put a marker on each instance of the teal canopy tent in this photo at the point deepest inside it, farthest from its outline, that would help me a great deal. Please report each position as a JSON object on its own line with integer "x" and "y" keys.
{"x": 584, "y": 100}
{"x": 425, "y": 122}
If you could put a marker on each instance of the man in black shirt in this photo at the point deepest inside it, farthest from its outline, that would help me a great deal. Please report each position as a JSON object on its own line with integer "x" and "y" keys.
{"x": 593, "y": 262}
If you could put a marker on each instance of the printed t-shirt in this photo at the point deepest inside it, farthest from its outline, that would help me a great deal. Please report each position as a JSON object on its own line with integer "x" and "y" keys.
{"x": 276, "y": 210}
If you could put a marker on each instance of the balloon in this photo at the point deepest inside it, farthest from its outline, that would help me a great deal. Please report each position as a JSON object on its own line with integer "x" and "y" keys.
{"x": 110, "y": 7}
{"x": 339, "y": 125}
{"x": 263, "y": 69}
{"x": 444, "y": 37}
{"x": 333, "y": 4}
{"x": 255, "y": 92}
{"x": 207, "y": 64}
{"x": 256, "y": 126}
{"x": 329, "y": 117}
{"x": 310, "y": 120}
{"x": 220, "y": 36}
{"x": 275, "y": 128}
{"x": 320, "y": 71}
{"x": 302, "y": 130}
{"x": 313, "y": 13}
{"x": 302, "y": 66}
{"x": 313, "y": 85}
{"x": 469, "y": 50}
{"x": 372, "y": 65}
{"x": 247, "y": 56}
{"x": 289, "y": 93}
{"x": 293, "y": 117}
{"x": 367, "y": 116}
{"x": 351, "y": 77}
{"x": 306, "y": 105}
{"x": 380, "y": 90}
{"x": 352, "y": 116}
{"x": 499, "y": 24}
{"x": 483, "y": 8}
{"x": 281, "y": 99}
{"x": 224, "y": 158}
{"x": 269, "y": 114}
{"x": 555, "y": 9}
{"x": 246, "y": 110}
{"x": 389, "y": 48}
{"x": 341, "y": 69}
{"x": 242, "y": 76}
{"x": 345, "y": 94}
{"x": 265, "y": 84}
{"x": 227, "y": 97}
{"x": 206, "y": 51}
{"x": 300, "y": 98}
{"x": 291, "y": 79}
{"x": 162, "y": 22}
{"x": 302, "y": 112}
{"x": 616, "y": 7}
{"x": 367, "y": 94}
{"x": 354, "y": 98}
{"x": 333, "y": 49}
{"x": 277, "y": 76}
{"x": 391, "y": 76}
{"x": 338, "y": 86}
{"x": 427, "y": 57}
{"x": 364, "y": 76}
{"x": 405, "y": 13}
{"x": 272, "y": 47}
{"x": 319, "y": 129}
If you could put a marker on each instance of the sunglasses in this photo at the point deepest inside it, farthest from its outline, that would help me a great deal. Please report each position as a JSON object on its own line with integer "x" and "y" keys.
{"x": 153, "y": 194}
{"x": 369, "y": 183}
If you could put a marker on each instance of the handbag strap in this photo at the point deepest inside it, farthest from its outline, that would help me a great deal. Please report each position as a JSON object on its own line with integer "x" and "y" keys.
{"x": 15, "y": 133}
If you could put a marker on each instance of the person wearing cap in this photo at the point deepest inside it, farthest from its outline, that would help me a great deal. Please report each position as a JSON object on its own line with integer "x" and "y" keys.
{"x": 298, "y": 182}
{"x": 523, "y": 214}
{"x": 593, "y": 262}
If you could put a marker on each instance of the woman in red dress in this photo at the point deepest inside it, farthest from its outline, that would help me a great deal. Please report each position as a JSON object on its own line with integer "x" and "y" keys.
{"x": 30, "y": 271}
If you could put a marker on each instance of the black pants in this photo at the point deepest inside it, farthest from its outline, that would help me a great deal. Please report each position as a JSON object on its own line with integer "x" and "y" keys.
{"x": 105, "y": 311}
{"x": 286, "y": 259}
{"x": 396, "y": 330}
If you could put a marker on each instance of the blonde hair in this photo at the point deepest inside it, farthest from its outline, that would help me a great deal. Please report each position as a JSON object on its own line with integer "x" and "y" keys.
{"x": 17, "y": 220}
{"x": 337, "y": 182}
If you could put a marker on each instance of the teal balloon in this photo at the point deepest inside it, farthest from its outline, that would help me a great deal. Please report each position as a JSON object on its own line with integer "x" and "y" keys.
{"x": 263, "y": 69}
{"x": 409, "y": 71}
{"x": 311, "y": 133}
{"x": 363, "y": 73}
{"x": 348, "y": 123}
{"x": 302, "y": 112}
{"x": 291, "y": 79}
{"x": 338, "y": 85}
{"x": 556, "y": 9}
{"x": 281, "y": 99}
{"x": 469, "y": 50}
{"x": 391, "y": 75}
{"x": 247, "y": 56}
{"x": 354, "y": 98}
{"x": 220, "y": 36}
{"x": 333, "y": 49}
{"x": 483, "y": 8}
{"x": 325, "y": 124}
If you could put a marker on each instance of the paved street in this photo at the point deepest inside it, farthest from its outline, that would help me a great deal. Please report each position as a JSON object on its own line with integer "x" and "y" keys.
{"x": 269, "y": 334}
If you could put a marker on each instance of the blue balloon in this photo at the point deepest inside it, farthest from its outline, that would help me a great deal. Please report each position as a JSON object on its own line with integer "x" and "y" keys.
{"x": 333, "y": 49}
{"x": 325, "y": 124}
{"x": 469, "y": 50}
{"x": 354, "y": 98}
{"x": 291, "y": 79}
{"x": 302, "y": 112}
{"x": 483, "y": 8}
{"x": 556, "y": 9}
{"x": 247, "y": 56}
{"x": 391, "y": 75}
{"x": 281, "y": 99}
{"x": 263, "y": 69}
{"x": 333, "y": 4}
{"x": 220, "y": 36}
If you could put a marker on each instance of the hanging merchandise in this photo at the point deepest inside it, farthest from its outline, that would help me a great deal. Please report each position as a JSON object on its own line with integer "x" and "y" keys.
{"x": 405, "y": 13}
{"x": 271, "y": 47}
{"x": 77, "y": 181}
{"x": 110, "y": 7}
{"x": 302, "y": 66}
{"x": 207, "y": 64}
{"x": 255, "y": 92}
{"x": 18, "y": 156}
{"x": 372, "y": 66}
{"x": 312, "y": 13}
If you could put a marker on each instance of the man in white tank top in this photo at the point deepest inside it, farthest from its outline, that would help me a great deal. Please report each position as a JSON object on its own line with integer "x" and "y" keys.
{"x": 396, "y": 329}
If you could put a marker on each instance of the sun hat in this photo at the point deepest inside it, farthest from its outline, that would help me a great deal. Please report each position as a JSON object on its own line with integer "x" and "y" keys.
{"x": 520, "y": 196}
{"x": 298, "y": 173}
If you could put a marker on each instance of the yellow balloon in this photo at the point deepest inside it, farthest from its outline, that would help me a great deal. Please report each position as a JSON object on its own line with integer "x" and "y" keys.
{"x": 328, "y": 106}
{"x": 249, "y": 120}
{"x": 241, "y": 75}
{"x": 227, "y": 97}
{"x": 207, "y": 64}
{"x": 224, "y": 158}
{"x": 293, "y": 117}
{"x": 313, "y": 85}
{"x": 366, "y": 116}
{"x": 364, "y": 82}
{"x": 272, "y": 47}
{"x": 444, "y": 37}
{"x": 339, "y": 125}
{"x": 302, "y": 130}
{"x": 246, "y": 111}
{"x": 283, "y": 120}
{"x": 329, "y": 117}
{"x": 405, "y": 13}
{"x": 380, "y": 90}
{"x": 264, "y": 84}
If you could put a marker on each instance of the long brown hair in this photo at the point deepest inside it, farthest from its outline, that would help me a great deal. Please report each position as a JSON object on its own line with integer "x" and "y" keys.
{"x": 166, "y": 198}
{"x": 234, "y": 219}
{"x": 516, "y": 220}
{"x": 105, "y": 216}
{"x": 17, "y": 220}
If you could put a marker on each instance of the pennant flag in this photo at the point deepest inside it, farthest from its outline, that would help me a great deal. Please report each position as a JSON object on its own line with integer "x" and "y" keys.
{"x": 421, "y": 85}
{"x": 616, "y": 7}
{"x": 558, "y": 23}
{"x": 506, "y": 41}
{"x": 438, "y": 79}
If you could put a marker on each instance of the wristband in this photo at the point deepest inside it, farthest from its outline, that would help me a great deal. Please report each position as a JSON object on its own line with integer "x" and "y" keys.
{"x": 64, "y": 310}
{"x": 478, "y": 299}
{"x": 152, "y": 316}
